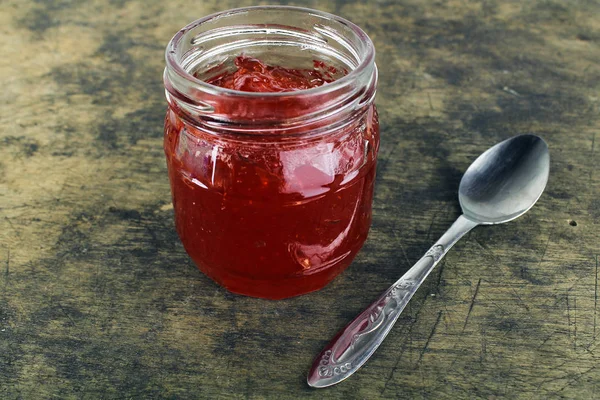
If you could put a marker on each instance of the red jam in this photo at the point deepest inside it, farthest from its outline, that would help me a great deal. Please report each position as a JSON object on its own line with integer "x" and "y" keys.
{"x": 279, "y": 219}
{"x": 253, "y": 75}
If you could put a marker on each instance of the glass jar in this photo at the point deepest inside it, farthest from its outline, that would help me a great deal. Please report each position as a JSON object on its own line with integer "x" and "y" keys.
{"x": 272, "y": 192}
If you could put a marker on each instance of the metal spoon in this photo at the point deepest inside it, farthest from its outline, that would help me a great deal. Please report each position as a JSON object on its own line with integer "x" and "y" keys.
{"x": 501, "y": 185}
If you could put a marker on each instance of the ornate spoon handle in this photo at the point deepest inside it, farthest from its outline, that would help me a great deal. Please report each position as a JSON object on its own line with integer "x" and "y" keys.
{"x": 354, "y": 344}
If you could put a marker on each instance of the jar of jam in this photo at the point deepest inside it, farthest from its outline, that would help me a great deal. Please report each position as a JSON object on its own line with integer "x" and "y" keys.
{"x": 271, "y": 138}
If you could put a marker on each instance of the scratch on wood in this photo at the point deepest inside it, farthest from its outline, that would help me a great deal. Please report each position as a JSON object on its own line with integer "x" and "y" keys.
{"x": 383, "y": 159}
{"x": 437, "y": 321}
{"x": 12, "y": 226}
{"x": 596, "y": 297}
{"x": 66, "y": 313}
{"x": 574, "y": 322}
{"x": 402, "y": 248}
{"x": 410, "y": 345}
{"x": 441, "y": 271}
{"x": 520, "y": 300}
{"x": 568, "y": 315}
{"x": 500, "y": 310}
{"x": 554, "y": 379}
{"x": 547, "y": 243}
{"x": 577, "y": 378}
{"x": 435, "y": 214}
{"x": 429, "y": 99}
{"x": 485, "y": 248}
{"x": 7, "y": 270}
{"x": 592, "y": 155}
{"x": 394, "y": 368}
{"x": 472, "y": 304}
{"x": 391, "y": 374}
{"x": 410, "y": 327}
{"x": 544, "y": 341}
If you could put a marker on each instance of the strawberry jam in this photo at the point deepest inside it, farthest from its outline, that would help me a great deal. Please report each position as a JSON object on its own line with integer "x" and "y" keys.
{"x": 252, "y": 75}
{"x": 272, "y": 170}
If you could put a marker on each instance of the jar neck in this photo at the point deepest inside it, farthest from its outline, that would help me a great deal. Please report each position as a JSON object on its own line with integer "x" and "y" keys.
{"x": 210, "y": 44}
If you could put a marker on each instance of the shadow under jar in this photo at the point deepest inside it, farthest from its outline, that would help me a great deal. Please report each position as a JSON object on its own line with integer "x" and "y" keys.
{"x": 272, "y": 191}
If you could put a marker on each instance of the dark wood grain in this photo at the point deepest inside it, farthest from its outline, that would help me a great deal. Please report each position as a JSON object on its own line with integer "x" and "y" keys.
{"x": 99, "y": 300}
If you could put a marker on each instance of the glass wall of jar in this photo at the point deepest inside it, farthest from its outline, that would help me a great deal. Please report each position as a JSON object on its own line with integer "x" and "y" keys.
{"x": 272, "y": 191}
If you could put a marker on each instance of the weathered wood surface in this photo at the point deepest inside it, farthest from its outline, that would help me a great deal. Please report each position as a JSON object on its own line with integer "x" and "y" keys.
{"x": 99, "y": 300}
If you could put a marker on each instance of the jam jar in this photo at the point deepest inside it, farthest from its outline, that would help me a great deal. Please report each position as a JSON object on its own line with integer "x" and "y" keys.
{"x": 271, "y": 177}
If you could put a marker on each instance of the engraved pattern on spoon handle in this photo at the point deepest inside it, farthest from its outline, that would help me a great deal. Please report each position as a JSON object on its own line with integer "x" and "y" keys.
{"x": 354, "y": 344}
{"x": 373, "y": 323}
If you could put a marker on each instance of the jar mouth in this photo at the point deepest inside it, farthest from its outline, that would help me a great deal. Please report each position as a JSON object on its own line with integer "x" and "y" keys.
{"x": 364, "y": 56}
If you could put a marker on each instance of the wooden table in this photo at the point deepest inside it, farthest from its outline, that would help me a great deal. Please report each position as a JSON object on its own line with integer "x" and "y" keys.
{"x": 98, "y": 299}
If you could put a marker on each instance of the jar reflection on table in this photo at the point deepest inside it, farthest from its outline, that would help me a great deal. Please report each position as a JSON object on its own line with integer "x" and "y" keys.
{"x": 272, "y": 193}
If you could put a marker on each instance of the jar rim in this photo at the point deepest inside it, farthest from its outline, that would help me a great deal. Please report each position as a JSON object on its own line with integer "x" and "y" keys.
{"x": 367, "y": 58}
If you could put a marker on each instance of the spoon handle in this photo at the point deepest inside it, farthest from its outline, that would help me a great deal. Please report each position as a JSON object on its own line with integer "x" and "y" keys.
{"x": 354, "y": 344}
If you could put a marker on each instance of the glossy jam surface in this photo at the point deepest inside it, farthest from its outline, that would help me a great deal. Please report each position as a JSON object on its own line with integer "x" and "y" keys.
{"x": 252, "y": 75}
{"x": 279, "y": 218}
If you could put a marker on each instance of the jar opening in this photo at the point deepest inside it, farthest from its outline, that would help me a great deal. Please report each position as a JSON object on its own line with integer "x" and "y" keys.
{"x": 212, "y": 42}
{"x": 289, "y": 37}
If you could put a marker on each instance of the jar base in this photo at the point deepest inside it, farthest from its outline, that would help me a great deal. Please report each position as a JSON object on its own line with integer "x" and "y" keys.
{"x": 278, "y": 289}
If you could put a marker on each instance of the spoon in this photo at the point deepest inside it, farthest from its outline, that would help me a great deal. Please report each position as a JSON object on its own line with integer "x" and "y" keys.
{"x": 502, "y": 184}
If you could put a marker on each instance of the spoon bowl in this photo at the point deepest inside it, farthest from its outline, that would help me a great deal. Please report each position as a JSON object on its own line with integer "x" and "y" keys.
{"x": 505, "y": 181}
